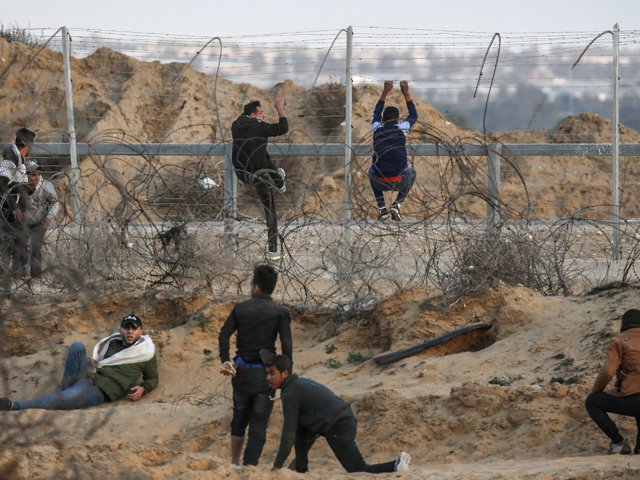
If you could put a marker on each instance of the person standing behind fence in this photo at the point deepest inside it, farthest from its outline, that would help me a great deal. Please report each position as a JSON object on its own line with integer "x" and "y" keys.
{"x": 13, "y": 194}
{"x": 623, "y": 361}
{"x": 254, "y": 166}
{"x": 258, "y": 322}
{"x": 389, "y": 167}
{"x": 40, "y": 210}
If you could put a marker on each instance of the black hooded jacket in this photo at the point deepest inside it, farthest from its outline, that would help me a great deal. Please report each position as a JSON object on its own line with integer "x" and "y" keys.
{"x": 310, "y": 405}
{"x": 250, "y": 142}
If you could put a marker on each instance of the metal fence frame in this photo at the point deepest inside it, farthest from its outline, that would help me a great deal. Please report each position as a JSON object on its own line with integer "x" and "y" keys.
{"x": 493, "y": 152}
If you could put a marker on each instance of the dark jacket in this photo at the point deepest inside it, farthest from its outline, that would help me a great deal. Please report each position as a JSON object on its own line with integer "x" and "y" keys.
{"x": 258, "y": 321}
{"x": 389, "y": 142}
{"x": 116, "y": 380}
{"x": 12, "y": 194}
{"x": 41, "y": 203}
{"x": 250, "y": 137}
{"x": 310, "y": 405}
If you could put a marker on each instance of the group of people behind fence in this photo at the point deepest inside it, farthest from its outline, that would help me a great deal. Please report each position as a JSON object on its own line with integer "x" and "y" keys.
{"x": 29, "y": 204}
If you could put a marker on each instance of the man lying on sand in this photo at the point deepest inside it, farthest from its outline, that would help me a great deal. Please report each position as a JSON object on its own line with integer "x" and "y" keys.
{"x": 120, "y": 360}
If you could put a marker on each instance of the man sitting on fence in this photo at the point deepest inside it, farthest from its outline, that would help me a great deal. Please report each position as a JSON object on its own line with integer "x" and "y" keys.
{"x": 389, "y": 168}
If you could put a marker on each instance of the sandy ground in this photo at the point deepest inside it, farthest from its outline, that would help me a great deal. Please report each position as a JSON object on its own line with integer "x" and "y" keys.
{"x": 507, "y": 403}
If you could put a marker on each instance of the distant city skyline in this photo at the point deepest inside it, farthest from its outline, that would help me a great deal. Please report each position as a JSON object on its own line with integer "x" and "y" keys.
{"x": 259, "y": 17}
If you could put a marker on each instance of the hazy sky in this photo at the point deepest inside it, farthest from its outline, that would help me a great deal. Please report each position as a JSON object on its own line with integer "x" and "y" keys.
{"x": 229, "y": 18}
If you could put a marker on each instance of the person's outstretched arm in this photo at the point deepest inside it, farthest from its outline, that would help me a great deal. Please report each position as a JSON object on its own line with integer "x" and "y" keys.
{"x": 290, "y": 413}
{"x": 377, "y": 111}
{"x": 280, "y": 128}
{"x": 411, "y": 107}
{"x": 286, "y": 339}
{"x": 609, "y": 367}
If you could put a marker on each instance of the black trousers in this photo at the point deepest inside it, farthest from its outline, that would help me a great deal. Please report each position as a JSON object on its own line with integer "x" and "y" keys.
{"x": 599, "y": 404}
{"x": 15, "y": 245}
{"x": 341, "y": 437}
{"x": 251, "y": 407}
{"x": 263, "y": 183}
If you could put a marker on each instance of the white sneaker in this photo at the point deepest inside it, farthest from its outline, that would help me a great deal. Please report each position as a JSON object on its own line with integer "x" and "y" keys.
{"x": 395, "y": 212}
{"x": 273, "y": 256}
{"x": 282, "y": 173}
{"x": 402, "y": 464}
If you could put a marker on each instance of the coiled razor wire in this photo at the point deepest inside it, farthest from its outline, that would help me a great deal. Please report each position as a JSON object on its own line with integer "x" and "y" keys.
{"x": 150, "y": 223}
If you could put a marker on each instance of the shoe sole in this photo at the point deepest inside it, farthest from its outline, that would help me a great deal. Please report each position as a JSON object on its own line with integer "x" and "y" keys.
{"x": 403, "y": 463}
{"x": 282, "y": 174}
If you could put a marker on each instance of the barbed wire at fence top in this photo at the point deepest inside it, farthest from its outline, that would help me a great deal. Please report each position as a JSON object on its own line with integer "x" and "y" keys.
{"x": 536, "y": 60}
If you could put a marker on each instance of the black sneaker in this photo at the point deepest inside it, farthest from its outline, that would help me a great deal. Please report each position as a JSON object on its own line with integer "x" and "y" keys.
{"x": 622, "y": 448}
{"x": 395, "y": 212}
{"x": 383, "y": 214}
{"x": 5, "y": 404}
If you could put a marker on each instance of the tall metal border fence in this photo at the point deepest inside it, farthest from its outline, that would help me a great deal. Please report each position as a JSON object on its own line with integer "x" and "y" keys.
{"x": 133, "y": 124}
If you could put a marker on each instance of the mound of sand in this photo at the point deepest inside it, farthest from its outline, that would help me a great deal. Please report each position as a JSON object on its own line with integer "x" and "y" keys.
{"x": 507, "y": 403}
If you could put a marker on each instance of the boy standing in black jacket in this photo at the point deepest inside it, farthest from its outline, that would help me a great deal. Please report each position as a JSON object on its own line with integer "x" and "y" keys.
{"x": 311, "y": 410}
{"x": 258, "y": 322}
{"x": 254, "y": 166}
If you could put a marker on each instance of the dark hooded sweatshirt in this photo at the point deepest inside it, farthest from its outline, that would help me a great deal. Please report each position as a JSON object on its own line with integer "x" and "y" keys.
{"x": 250, "y": 142}
{"x": 310, "y": 405}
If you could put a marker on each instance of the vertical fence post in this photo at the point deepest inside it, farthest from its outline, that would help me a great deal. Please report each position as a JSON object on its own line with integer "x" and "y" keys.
{"x": 230, "y": 183}
{"x": 615, "y": 148}
{"x": 230, "y": 189}
{"x": 493, "y": 183}
{"x": 71, "y": 126}
{"x": 347, "y": 128}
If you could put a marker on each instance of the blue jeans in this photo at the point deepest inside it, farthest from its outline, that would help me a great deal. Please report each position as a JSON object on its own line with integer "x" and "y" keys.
{"x": 76, "y": 389}
{"x": 402, "y": 187}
